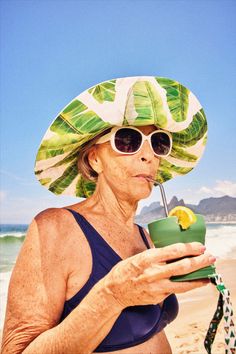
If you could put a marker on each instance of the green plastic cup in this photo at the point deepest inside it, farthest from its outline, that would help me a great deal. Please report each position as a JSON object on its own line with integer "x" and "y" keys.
{"x": 167, "y": 231}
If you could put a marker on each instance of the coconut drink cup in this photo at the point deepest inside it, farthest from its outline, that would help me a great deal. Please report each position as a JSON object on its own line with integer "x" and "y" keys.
{"x": 167, "y": 231}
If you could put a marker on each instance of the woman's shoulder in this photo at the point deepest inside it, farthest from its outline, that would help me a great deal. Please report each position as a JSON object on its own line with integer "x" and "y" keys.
{"x": 52, "y": 215}
{"x": 55, "y": 231}
{"x": 50, "y": 218}
{"x": 52, "y": 223}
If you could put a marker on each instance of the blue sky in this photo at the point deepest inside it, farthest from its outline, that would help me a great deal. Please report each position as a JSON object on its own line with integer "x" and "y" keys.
{"x": 53, "y": 50}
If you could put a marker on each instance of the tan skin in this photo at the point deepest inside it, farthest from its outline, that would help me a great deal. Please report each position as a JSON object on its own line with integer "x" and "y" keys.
{"x": 55, "y": 262}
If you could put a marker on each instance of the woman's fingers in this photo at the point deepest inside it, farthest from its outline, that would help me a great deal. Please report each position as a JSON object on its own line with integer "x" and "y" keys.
{"x": 168, "y": 253}
{"x": 188, "y": 265}
{"x": 161, "y": 270}
{"x": 184, "y": 286}
{"x": 153, "y": 264}
{"x": 179, "y": 250}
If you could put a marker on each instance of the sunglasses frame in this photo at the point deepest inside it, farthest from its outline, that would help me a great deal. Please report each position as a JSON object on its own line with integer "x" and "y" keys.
{"x": 111, "y": 137}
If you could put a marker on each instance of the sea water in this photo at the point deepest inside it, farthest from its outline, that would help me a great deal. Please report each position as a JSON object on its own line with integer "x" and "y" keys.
{"x": 220, "y": 241}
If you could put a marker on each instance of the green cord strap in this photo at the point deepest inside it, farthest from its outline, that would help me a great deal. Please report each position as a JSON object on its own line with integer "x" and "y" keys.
{"x": 224, "y": 309}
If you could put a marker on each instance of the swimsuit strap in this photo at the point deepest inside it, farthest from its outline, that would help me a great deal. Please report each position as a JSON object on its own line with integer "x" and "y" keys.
{"x": 143, "y": 236}
{"x": 89, "y": 230}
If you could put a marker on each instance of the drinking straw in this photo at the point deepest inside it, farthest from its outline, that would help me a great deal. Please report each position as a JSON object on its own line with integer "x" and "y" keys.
{"x": 163, "y": 195}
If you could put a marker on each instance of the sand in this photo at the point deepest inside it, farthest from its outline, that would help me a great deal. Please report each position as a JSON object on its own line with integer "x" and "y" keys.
{"x": 186, "y": 334}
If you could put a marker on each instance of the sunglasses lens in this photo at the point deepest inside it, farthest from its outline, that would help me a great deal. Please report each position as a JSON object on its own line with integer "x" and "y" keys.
{"x": 127, "y": 140}
{"x": 161, "y": 143}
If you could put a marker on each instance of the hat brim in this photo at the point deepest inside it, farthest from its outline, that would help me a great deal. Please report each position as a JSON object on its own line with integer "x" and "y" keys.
{"x": 135, "y": 101}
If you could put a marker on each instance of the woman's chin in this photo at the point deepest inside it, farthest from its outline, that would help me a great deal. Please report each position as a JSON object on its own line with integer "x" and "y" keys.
{"x": 144, "y": 196}
{"x": 141, "y": 193}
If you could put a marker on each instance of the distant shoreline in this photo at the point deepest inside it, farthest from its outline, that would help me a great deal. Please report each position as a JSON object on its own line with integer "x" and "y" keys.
{"x": 206, "y": 222}
{"x": 221, "y": 222}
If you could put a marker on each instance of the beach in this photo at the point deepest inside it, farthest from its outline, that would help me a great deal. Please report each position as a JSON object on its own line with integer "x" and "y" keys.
{"x": 186, "y": 334}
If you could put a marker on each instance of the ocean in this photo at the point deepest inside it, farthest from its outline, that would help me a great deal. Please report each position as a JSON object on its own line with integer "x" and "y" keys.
{"x": 220, "y": 241}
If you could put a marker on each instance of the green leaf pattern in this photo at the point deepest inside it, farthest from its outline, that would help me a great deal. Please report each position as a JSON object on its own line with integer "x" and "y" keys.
{"x": 136, "y": 101}
{"x": 147, "y": 104}
{"x": 177, "y": 98}
{"x": 104, "y": 92}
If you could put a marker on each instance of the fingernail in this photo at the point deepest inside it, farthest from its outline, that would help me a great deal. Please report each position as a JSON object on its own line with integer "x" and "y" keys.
{"x": 212, "y": 259}
{"x": 203, "y": 249}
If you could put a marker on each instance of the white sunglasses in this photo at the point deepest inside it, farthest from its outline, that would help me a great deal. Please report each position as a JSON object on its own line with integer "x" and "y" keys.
{"x": 129, "y": 140}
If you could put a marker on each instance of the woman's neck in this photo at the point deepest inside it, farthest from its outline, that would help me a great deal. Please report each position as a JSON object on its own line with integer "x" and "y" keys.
{"x": 106, "y": 203}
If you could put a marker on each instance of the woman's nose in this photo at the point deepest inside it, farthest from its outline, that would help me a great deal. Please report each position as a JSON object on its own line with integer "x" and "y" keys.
{"x": 146, "y": 153}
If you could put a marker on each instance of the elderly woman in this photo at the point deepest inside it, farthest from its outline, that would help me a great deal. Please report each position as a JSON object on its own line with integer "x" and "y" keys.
{"x": 88, "y": 279}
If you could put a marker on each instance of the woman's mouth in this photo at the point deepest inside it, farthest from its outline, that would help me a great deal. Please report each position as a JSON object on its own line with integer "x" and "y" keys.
{"x": 145, "y": 177}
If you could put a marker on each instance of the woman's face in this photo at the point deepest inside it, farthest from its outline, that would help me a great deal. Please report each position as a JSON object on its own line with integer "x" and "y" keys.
{"x": 124, "y": 173}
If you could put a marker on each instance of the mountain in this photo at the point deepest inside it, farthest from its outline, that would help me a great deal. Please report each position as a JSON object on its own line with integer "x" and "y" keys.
{"x": 151, "y": 207}
{"x": 222, "y": 209}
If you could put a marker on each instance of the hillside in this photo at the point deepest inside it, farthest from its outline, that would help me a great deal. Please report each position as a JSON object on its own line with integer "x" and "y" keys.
{"x": 222, "y": 209}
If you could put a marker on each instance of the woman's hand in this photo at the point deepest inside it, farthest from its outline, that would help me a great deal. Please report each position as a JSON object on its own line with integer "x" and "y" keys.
{"x": 145, "y": 278}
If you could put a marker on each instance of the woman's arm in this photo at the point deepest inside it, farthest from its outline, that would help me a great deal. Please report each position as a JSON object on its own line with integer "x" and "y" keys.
{"x": 37, "y": 295}
{"x": 83, "y": 329}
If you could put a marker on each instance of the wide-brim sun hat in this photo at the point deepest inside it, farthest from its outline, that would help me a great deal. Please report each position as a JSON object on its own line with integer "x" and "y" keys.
{"x": 129, "y": 101}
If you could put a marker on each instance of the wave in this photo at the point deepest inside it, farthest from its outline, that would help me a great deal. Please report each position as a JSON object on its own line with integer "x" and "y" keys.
{"x": 12, "y": 232}
{"x": 12, "y": 238}
{"x": 220, "y": 229}
{"x": 221, "y": 240}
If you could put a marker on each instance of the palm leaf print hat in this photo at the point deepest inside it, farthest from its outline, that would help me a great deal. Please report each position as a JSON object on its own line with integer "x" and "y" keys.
{"x": 130, "y": 101}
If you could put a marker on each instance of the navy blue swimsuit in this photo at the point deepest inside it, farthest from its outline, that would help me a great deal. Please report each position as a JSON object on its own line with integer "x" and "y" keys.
{"x": 136, "y": 324}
